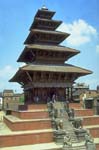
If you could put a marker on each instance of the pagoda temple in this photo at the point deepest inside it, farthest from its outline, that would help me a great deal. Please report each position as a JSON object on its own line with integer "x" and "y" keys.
{"x": 46, "y": 77}
{"x": 46, "y": 72}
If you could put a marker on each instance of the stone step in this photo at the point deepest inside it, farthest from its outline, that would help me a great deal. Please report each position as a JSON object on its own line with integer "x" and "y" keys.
{"x": 35, "y": 114}
{"x": 69, "y": 128}
{"x": 66, "y": 124}
{"x": 26, "y": 138}
{"x": 16, "y": 124}
{"x": 42, "y": 146}
{"x": 86, "y": 113}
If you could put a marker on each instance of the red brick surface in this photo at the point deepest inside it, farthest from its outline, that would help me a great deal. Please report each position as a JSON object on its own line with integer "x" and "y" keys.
{"x": 84, "y": 112}
{"x": 97, "y": 146}
{"x": 94, "y": 132}
{"x": 29, "y": 125}
{"x": 31, "y": 115}
{"x": 37, "y": 106}
{"x": 25, "y": 139}
{"x": 91, "y": 121}
{"x": 75, "y": 105}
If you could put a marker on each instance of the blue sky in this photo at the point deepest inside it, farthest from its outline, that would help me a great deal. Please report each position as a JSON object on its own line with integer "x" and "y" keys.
{"x": 80, "y": 19}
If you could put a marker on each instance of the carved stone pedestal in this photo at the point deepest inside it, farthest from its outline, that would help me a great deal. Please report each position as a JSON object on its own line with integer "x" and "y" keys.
{"x": 66, "y": 147}
{"x": 59, "y": 136}
{"x": 80, "y": 133}
{"x": 90, "y": 146}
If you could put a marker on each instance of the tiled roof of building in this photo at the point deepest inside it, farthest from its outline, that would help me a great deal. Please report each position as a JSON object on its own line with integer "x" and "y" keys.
{"x": 8, "y": 91}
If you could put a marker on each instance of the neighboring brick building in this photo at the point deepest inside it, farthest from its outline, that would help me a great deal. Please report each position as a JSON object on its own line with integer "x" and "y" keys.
{"x": 88, "y": 98}
{"x": 90, "y": 94}
{"x": 11, "y": 100}
{"x": 81, "y": 90}
{"x": 78, "y": 89}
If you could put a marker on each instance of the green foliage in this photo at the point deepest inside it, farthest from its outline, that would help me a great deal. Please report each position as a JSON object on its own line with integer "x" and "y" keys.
{"x": 21, "y": 100}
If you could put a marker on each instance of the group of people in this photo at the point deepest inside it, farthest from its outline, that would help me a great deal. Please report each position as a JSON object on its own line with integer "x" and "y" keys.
{"x": 47, "y": 98}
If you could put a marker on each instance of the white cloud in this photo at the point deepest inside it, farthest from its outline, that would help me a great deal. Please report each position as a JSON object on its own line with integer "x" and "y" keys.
{"x": 91, "y": 81}
{"x": 97, "y": 48}
{"x": 81, "y": 32}
{"x": 7, "y": 71}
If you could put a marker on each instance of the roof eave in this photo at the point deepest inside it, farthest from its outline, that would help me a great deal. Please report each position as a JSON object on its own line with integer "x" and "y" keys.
{"x": 37, "y": 19}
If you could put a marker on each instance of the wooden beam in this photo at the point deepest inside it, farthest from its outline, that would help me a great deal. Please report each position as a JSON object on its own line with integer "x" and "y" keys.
{"x": 21, "y": 83}
{"x": 32, "y": 53}
{"x": 47, "y": 85}
{"x": 29, "y": 76}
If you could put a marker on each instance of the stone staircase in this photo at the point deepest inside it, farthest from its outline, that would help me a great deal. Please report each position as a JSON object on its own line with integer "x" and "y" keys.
{"x": 68, "y": 127}
{"x": 90, "y": 120}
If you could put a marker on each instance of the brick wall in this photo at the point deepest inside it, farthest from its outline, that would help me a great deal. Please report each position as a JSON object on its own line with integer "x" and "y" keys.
{"x": 94, "y": 132}
{"x": 97, "y": 146}
{"x": 28, "y": 125}
{"x": 91, "y": 121}
{"x": 31, "y": 115}
{"x": 25, "y": 139}
{"x": 37, "y": 106}
{"x": 75, "y": 105}
{"x": 86, "y": 112}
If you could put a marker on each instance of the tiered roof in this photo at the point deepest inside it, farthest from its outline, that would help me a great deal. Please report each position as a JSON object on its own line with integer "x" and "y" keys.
{"x": 42, "y": 23}
{"x": 38, "y": 48}
{"x": 44, "y": 13}
{"x": 49, "y": 68}
{"x": 43, "y": 52}
{"x": 45, "y": 37}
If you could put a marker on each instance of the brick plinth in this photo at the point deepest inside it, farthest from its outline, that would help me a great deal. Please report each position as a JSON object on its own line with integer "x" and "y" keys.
{"x": 27, "y": 125}
{"x": 31, "y": 115}
{"x": 37, "y": 106}
{"x": 25, "y": 139}
{"x": 97, "y": 146}
{"x": 75, "y": 105}
{"x": 94, "y": 132}
{"x": 91, "y": 121}
{"x": 84, "y": 112}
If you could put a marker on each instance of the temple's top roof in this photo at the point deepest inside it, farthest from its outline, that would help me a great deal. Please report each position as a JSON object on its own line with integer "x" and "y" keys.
{"x": 45, "y": 13}
{"x": 44, "y": 7}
